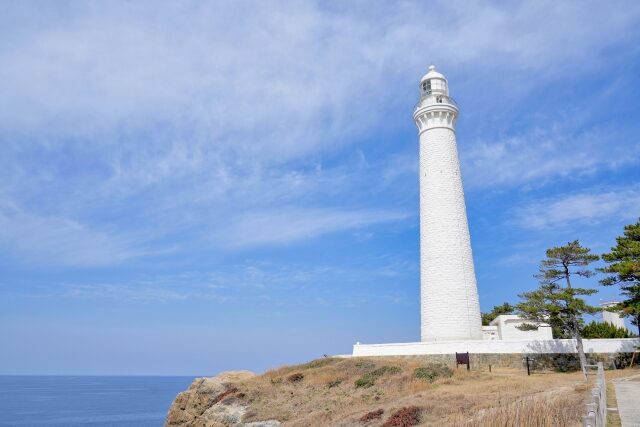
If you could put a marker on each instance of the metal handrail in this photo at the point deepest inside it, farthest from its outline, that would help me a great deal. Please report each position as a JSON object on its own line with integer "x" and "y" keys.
{"x": 437, "y": 99}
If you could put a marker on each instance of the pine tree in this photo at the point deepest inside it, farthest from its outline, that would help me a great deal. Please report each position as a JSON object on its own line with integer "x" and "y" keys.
{"x": 504, "y": 308}
{"x": 624, "y": 267}
{"x": 557, "y": 301}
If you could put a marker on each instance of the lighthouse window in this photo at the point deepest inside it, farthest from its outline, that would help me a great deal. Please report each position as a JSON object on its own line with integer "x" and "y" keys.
{"x": 438, "y": 85}
{"x": 426, "y": 86}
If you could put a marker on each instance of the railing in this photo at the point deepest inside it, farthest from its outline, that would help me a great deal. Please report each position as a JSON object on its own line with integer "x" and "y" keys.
{"x": 435, "y": 98}
{"x": 596, "y": 406}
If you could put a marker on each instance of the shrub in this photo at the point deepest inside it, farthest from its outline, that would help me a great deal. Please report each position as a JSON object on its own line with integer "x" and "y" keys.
{"x": 365, "y": 381}
{"x": 294, "y": 378}
{"x": 334, "y": 383}
{"x": 565, "y": 362}
{"x": 373, "y": 415}
{"x": 369, "y": 379}
{"x": 318, "y": 363}
{"x": 388, "y": 370}
{"x": 405, "y": 417}
{"x": 623, "y": 360}
{"x": 364, "y": 364}
{"x": 604, "y": 330}
{"x": 432, "y": 372}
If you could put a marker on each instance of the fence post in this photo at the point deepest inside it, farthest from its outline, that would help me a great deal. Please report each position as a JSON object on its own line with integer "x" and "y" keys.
{"x": 596, "y": 409}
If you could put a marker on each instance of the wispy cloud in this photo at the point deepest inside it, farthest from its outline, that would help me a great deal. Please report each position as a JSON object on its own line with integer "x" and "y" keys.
{"x": 590, "y": 207}
{"x": 543, "y": 155}
{"x": 123, "y": 121}
{"x": 61, "y": 241}
{"x": 128, "y": 293}
{"x": 292, "y": 224}
{"x": 251, "y": 282}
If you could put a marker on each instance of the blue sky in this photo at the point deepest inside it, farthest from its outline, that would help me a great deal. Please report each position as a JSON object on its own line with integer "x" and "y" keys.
{"x": 187, "y": 188}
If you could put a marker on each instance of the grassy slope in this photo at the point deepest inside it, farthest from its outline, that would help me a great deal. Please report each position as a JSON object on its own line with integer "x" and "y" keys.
{"x": 387, "y": 392}
{"x": 324, "y": 392}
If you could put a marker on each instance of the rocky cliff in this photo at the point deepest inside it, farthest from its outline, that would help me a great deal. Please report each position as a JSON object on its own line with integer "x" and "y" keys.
{"x": 214, "y": 401}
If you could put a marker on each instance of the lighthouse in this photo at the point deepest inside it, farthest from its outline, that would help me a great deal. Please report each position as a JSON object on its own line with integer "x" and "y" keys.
{"x": 449, "y": 307}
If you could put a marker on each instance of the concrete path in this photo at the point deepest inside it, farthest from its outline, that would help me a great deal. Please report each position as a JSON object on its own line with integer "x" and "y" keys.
{"x": 628, "y": 397}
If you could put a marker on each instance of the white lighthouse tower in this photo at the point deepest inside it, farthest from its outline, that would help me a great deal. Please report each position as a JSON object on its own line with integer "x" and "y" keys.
{"x": 449, "y": 296}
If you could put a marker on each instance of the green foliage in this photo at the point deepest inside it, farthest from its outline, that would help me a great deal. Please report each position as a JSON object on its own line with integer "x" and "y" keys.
{"x": 604, "y": 330}
{"x": 318, "y": 363}
{"x": 369, "y": 378}
{"x": 391, "y": 370}
{"x": 504, "y": 308}
{"x": 365, "y": 364}
{"x": 565, "y": 363}
{"x": 624, "y": 269}
{"x": 432, "y": 372}
{"x": 366, "y": 381}
{"x": 556, "y": 301}
{"x": 623, "y": 360}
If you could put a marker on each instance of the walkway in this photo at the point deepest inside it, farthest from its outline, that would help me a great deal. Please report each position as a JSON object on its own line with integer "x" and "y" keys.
{"x": 628, "y": 397}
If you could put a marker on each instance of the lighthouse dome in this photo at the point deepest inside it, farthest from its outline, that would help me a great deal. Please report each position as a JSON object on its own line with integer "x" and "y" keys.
{"x": 433, "y": 83}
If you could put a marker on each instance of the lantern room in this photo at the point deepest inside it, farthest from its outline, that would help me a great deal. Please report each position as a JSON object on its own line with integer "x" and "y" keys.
{"x": 433, "y": 83}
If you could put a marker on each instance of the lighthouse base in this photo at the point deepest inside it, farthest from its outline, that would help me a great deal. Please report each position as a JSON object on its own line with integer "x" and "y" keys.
{"x": 559, "y": 346}
{"x": 542, "y": 354}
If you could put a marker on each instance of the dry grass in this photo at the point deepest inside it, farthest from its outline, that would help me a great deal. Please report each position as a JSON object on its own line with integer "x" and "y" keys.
{"x": 541, "y": 411}
{"x": 325, "y": 394}
{"x": 613, "y": 417}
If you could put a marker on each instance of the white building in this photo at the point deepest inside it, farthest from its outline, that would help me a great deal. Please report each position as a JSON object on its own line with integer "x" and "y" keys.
{"x": 449, "y": 307}
{"x": 612, "y": 317}
{"x": 505, "y": 327}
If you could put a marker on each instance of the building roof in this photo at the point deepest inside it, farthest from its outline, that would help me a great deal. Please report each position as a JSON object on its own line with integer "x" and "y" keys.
{"x": 432, "y": 74}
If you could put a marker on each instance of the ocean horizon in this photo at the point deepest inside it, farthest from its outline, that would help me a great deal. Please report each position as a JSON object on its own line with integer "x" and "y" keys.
{"x": 87, "y": 400}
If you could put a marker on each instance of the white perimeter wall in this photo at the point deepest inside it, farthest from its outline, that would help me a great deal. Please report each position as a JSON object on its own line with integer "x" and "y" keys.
{"x": 626, "y": 345}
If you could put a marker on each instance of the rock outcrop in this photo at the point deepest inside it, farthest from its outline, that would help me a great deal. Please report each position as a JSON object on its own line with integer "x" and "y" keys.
{"x": 213, "y": 402}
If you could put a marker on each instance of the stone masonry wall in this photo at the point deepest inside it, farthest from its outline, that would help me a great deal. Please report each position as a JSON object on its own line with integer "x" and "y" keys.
{"x": 449, "y": 297}
{"x": 548, "y": 361}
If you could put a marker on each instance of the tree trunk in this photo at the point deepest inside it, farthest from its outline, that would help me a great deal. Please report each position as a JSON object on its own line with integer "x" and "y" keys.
{"x": 581, "y": 355}
{"x": 576, "y": 330}
{"x": 579, "y": 346}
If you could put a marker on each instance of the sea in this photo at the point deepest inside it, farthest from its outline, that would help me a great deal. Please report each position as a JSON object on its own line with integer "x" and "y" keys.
{"x": 100, "y": 401}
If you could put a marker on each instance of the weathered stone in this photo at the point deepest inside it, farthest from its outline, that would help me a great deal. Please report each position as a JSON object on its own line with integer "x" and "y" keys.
{"x": 212, "y": 402}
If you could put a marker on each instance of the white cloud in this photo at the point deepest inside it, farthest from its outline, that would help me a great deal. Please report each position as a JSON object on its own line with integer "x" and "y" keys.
{"x": 583, "y": 208}
{"x": 163, "y": 116}
{"x": 60, "y": 241}
{"x": 543, "y": 155}
{"x": 121, "y": 292}
{"x": 289, "y": 225}
{"x": 262, "y": 282}
{"x": 238, "y": 67}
